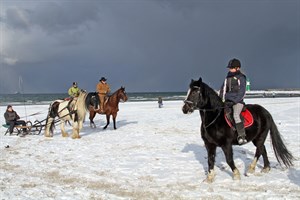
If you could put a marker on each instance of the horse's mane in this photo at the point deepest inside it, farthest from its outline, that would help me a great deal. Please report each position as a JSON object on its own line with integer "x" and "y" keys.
{"x": 211, "y": 94}
{"x": 81, "y": 98}
{"x": 113, "y": 94}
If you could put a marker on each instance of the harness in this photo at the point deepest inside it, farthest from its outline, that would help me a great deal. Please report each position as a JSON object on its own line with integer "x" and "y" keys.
{"x": 213, "y": 121}
{"x": 205, "y": 110}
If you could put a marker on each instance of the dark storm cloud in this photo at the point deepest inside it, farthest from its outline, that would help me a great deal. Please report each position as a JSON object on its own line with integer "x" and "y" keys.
{"x": 65, "y": 16}
{"x": 150, "y": 45}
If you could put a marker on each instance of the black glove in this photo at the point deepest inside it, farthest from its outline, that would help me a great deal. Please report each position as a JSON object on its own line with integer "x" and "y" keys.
{"x": 228, "y": 104}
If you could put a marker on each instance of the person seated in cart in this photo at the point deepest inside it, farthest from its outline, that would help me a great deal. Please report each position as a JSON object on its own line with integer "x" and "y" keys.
{"x": 12, "y": 119}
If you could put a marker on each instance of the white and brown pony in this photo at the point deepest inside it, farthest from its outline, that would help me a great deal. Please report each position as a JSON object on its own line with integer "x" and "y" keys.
{"x": 71, "y": 110}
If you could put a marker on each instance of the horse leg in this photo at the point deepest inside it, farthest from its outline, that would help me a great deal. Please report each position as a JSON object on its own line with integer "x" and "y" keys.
{"x": 107, "y": 121}
{"x": 63, "y": 131}
{"x": 114, "y": 120}
{"x": 48, "y": 126}
{"x": 227, "y": 149}
{"x": 92, "y": 116}
{"x": 80, "y": 125}
{"x": 75, "y": 133}
{"x": 260, "y": 150}
{"x": 267, "y": 167}
{"x": 211, "y": 152}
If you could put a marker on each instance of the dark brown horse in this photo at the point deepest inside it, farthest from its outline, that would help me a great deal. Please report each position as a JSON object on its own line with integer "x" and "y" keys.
{"x": 111, "y": 107}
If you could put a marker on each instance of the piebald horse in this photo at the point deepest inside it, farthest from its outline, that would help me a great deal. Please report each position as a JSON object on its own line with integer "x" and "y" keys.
{"x": 71, "y": 110}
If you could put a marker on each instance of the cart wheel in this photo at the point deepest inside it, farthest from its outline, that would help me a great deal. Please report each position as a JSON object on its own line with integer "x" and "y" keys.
{"x": 38, "y": 127}
{"x": 29, "y": 125}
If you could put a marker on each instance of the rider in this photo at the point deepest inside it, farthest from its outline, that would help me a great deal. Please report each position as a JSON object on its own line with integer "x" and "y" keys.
{"x": 74, "y": 90}
{"x": 232, "y": 93}
{"x": 73, "y": 93}
{"x": 103, "y": 89}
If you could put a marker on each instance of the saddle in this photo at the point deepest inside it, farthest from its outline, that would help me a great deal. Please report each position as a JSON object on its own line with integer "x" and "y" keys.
{"x": 246, "y": 117}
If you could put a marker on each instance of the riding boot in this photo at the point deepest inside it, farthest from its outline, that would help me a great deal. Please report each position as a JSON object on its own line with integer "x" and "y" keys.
{"x": 241, "y": 133}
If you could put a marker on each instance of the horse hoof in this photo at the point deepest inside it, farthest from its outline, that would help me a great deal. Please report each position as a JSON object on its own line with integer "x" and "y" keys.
{"x": 236, "y": 175}
{"x": 76, "y": 137}
{"x": 208, "y": 180}
{"x": 48, "y": 136}
{"x": 265, "y": 169}
{"x": 210, "y": 177}
{"x": 250, "y": 171}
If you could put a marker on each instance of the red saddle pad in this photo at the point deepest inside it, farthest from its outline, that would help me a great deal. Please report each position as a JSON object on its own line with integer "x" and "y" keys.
{"x": 248, "y": 119}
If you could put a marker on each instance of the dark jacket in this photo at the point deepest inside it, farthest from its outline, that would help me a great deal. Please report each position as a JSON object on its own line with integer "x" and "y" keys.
{"x": 234, "y": 87}
{"x": 11, "y": 116}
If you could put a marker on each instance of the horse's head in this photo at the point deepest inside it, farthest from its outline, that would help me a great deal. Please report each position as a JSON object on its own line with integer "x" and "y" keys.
{"x": 122, "y": 94}
{"x": 93, "y": 100}
{"x": 194, "y": 99}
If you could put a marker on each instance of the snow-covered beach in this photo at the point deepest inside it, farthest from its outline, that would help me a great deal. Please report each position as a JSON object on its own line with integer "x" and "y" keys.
{"x": 154, "y": 154}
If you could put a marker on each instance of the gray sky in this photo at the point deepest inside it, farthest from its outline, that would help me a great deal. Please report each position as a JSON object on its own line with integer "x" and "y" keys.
{"x": 147, "y": 45}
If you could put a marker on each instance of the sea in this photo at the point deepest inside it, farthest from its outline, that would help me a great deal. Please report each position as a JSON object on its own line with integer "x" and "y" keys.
{"x": 44, "y": 99}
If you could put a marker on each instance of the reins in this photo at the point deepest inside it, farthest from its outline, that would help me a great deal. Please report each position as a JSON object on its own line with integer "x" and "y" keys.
{"x": 214, "y": 120}
{"x": 195, "y": 107}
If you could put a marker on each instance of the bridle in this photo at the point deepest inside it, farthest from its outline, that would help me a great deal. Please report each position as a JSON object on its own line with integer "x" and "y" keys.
{"x": 191, "y": 103}
{"x": 195, "y": 107}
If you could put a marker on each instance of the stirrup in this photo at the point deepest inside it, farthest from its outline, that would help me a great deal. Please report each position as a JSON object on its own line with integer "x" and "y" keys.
{"x": 241, "y": 140}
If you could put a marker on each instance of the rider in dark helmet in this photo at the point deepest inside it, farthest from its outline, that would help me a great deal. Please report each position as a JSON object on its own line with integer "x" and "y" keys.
{"x": 232, "y": 93}
{"x": 74, "y": 90}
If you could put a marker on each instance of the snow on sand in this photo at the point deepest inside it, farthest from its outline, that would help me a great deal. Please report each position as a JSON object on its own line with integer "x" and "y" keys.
{"x": 154, "y": 154}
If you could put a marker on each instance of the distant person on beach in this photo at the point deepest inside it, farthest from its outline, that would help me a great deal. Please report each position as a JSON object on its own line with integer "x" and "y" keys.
{"x": 74, "y": 90}
{"x": 160, "y": 102}
{"x": 103, "y": 89}
{"x": 232, "y": 93}
{"x": 12, "y": 119}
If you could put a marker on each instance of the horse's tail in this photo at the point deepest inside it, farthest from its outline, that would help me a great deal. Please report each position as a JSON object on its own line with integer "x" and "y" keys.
{"x": 283, "y": 155}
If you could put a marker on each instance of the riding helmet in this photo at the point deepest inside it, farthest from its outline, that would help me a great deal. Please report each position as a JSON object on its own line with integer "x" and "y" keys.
{"x": 75, "y": 83}
{"x": 233, "y": 63}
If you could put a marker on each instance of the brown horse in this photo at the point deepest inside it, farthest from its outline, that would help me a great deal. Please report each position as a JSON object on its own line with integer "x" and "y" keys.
{"x": 111, "y": 107}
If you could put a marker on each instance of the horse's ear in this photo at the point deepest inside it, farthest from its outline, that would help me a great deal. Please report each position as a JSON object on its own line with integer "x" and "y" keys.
{"x": 200, "y": 80}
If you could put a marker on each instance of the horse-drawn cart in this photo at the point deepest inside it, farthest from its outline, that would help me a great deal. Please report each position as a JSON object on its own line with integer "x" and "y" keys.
{"x": 29, "y": 128}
